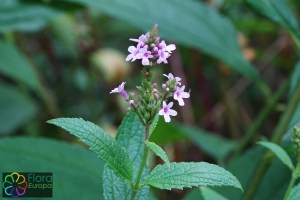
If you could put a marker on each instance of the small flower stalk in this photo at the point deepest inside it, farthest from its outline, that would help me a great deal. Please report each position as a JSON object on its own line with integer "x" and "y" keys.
{"x": 153, "y": 99}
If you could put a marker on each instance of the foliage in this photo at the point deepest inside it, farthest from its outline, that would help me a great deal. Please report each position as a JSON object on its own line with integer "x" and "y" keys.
{"x": 235, "y": 56}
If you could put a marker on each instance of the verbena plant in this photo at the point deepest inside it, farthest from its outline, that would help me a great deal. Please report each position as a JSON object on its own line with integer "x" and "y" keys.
{"x": 126, "y": 174}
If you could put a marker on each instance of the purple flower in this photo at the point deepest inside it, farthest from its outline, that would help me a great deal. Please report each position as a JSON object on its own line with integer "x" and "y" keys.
{"x": 170, "y": 76}
{"x": 179, "y": 94}
{"x": 168, "y": 48}
{"x": 162, "y": 56}
{"x": 121, "y": 90}
{"x": 144, "y": 54}
{"x": 134, "y": 53}
{"x": 166, "y": 111}
{"x": 142, "y": 39}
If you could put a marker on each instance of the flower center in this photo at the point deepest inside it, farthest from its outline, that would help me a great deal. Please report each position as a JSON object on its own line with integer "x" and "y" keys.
{"x": 165, "y": 110}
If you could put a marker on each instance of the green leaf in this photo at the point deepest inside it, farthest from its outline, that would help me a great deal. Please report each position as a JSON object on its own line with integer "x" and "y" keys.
{"x": 295, "y": 78}
{"x": 16, "y": 16}
{"x": 280, "y": 153}
{"x": 196, "y": 25}
{"x": 295, "y": 193}
{"x": 16, "y": 108}
{"x": 211, "y": 143}
{"x": 101, "y": 143}
{"x": 243, "y": 167}
{"x": 154, "y": 124}
{"x": 278, "y": 11}
{"x": 158, "y": 151}
{"x": 204, "y": 193}
{"x": 180, "y": 175}
{"x": 15, "y": 65}
{"x": 73, "y": 167}
{"x": 130, "y": 136}
{"x": 165, "y": 133}
{"x": 209, "y": 194}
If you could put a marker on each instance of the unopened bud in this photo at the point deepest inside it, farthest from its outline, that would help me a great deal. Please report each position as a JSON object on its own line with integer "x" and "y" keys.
{"x": 164, "y": 86}
{"x": 131, "y": 102}
{"x": 154, "y": 90}
{"x": 296, "y": 139}
{"x": 168, "y": 89}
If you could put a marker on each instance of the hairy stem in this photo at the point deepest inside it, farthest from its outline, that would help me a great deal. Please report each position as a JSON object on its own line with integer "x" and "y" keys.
{"x": 277, "y": 136}
{"x": 136, "y": 186}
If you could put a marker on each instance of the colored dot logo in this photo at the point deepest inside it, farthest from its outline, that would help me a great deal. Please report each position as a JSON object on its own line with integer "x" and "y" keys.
{"x": 15, "y": 185}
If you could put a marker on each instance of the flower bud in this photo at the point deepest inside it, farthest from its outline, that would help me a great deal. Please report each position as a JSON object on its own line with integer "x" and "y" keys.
{"x": 131, "y": 102}
{"x": 296, "y": 139}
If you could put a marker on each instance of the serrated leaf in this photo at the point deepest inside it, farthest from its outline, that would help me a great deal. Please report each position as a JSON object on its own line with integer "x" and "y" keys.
{"x": 74, "y": 168}
{"x": 196, "y": 25}
{"x": 16, "y": 108}
{"x": 181, "y": 175}
{"x": 101, "y": 143}
{"x": 280, "y": 153}
{"x": 153, "y": 124}
{"x": 130, "y": 136}
{"x": 295, "y": 193}
{"x": 16, "y": 66}
{"x": 158, "y": 151}
{"x": 278, "y": 11}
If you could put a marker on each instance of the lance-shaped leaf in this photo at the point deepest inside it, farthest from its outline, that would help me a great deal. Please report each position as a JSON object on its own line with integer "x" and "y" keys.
{"x": 181, "y": 175}
{"x": 295, "y": 193}
{"x": 278, "y": 11}
{"x": 158, "y": 151}
{"x": 130, "y": 136}
{"x": 279, "y": 152}
{"x": 101, "y": 143}
{"x": 15, "y": 65}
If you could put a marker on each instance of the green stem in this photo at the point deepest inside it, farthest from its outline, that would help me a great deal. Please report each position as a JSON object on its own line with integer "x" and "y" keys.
{"x": 136, "y": 186}
{"x": 262, "y": 117}
{"x": 277, "y": 136}
{"x": 295, "y": 175}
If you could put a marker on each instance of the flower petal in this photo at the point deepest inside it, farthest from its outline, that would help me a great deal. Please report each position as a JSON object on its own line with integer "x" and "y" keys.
{"x": 167, "y": 118}
{"x": 170, "y": 105}
{"x": 172, "y": 112}
{"x": 116, "y": 90}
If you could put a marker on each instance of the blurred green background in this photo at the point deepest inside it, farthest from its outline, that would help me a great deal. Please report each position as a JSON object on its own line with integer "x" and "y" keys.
{"x": 63, "y": 57}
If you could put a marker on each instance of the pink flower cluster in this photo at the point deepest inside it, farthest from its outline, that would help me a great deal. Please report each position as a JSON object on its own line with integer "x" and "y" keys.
{"x": 150, "y": 51}
{"x": 178, "y": 95}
